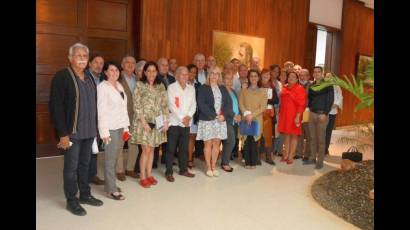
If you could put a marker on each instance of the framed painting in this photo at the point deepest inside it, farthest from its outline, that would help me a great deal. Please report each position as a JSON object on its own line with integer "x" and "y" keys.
{"x": 227, "y": 45}
{"x": 362, "y": 62}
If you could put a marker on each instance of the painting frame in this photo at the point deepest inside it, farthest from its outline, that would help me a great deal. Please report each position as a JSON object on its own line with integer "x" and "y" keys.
{"x": 227, "y": 45}
{"x": 362, "y": 62}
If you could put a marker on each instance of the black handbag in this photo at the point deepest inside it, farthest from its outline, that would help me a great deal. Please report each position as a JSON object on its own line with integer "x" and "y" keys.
{"x": 353, "y": 154}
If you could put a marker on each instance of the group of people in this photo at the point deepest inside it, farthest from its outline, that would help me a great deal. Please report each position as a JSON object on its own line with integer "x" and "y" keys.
{"x": 182, "y": 111}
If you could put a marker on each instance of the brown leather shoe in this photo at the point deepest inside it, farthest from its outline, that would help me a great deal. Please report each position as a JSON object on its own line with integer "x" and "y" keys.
{"x": 187, "y": 174}
{"x": 170, "y": 178}
{"x": 132, "y": 174}
{"x": 97, "y": 181}
{"x": 121, "y": 176}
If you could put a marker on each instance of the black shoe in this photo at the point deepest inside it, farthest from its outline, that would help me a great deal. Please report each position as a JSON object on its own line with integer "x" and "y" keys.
{"x": 280, "y": 154}
{"x": 75, "y": 208}
{"x": 297, "y": 157}
{"x": 91, "y": 201}
{"x": 309, "y": 162}
{"x": 305, "y": 159}
{"x": 154, "y": 166}
{"x": 270, "y": 161}
{"x": 319, "y": 165}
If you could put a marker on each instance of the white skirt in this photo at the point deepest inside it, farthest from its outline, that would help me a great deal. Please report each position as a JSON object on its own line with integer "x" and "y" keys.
{"x": 214, "y": 129}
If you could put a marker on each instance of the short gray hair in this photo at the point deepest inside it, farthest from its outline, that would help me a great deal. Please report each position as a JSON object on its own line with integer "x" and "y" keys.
{"x": 198, "y": 55}
{"x": 140, "y": 64}
{"x": 77, "y": 46}
{"x": 128, "y": 56}
{"x": 161, "y": 60}
{"x": 302, "y": 71}
{"x": 180, "y": 69}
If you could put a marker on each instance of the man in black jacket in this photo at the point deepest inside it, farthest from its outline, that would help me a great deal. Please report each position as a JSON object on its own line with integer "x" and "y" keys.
{"x": 94, "y": 71}
{"x": 73, "y": 110}
{"x": 320, "y": 103}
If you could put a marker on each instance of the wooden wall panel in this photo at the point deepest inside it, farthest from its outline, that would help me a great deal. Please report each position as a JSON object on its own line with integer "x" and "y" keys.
{"x": 111, "y": 49}
{"x": 182, "y": 28}
{"x": 57, "y": 12}
{"x": 105, "y": 26}
{"x": 107, "y": 15}
{"x": 357, "y": 37}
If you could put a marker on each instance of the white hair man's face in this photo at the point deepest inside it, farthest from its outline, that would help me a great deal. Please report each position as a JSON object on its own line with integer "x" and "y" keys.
{"x": 79, "y": 58}
{"x": 129, "y": 65}
{"x": 200, "y": 62}
{"x": 182, "y": 76}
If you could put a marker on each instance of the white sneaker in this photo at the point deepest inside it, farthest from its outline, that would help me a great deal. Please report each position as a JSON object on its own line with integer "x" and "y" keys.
{"x": 215, "y": 172}
{"x": 209, "y": 173}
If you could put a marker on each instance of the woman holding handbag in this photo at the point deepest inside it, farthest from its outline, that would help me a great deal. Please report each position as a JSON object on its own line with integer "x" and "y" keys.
{"x": 113, "y": 124}
{"x": 252, "y": 103}
{"x": 292, "y": 105}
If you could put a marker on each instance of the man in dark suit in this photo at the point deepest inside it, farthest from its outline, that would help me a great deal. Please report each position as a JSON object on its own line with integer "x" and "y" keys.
{"x": 94, "y": 71}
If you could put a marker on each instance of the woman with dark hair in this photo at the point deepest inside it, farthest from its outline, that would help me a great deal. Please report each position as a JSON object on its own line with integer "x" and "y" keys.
{"x": 192, "y": 80}
{"x": 252, "y": 103}
{"x": 113, "y": 124}
{"x": 150, "y": 107}
{"x": 268, "y": 115}
{"x": 275, "y": 71}
{"x": 292, "y": 105}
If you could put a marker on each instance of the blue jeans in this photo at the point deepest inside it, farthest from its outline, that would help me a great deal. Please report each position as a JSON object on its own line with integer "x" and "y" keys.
{"x": 76, "y": 163}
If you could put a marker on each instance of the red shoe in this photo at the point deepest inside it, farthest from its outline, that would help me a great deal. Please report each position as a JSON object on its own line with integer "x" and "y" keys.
{"x": 289, "y": 162}
{"x": 152, "y": 180}
{"x": 145, "y": 183}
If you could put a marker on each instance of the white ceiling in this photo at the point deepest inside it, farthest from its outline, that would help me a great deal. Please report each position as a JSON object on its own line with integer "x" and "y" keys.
{"x": 368, "y": 3}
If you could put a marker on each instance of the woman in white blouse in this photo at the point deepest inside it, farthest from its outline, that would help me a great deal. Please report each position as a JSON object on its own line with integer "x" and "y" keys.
{"x": 113, "y": 124}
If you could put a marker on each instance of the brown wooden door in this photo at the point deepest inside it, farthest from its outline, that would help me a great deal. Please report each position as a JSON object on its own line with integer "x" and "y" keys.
{"x": 104, "y": 26}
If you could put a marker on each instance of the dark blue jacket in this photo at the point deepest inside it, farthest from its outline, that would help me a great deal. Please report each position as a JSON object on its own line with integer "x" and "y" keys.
{"x": 206, "y": 104}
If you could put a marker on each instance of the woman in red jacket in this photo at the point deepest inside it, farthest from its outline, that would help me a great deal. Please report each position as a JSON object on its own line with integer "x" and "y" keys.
{"x": 292, "y": 105}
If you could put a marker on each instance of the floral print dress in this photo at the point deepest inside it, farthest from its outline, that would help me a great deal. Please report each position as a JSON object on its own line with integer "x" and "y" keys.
{"x": 149, "y": 103}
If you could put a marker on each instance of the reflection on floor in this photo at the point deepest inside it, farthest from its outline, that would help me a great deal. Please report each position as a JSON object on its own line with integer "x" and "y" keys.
{"x": 265, "y": 198}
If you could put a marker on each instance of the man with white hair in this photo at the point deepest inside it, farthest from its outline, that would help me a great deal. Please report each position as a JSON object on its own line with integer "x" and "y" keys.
{"x": 182, "y": 106}
{"x": 199, "y": 61}
{"x": 128, "y": 81}
{"x": 73, "y": 111}
{"x": 303, "y": 148}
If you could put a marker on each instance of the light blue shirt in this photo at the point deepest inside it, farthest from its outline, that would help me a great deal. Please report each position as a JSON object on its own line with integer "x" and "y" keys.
{"x": 235, "y": 104}
{"x": 132, "y": 82}
{"x": 201, "y": 77}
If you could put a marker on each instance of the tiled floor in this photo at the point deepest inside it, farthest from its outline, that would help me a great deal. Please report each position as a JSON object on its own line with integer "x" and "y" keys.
{"x": 262, "y": 199}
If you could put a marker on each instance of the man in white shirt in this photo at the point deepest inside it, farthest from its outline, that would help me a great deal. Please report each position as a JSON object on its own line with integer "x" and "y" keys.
{"x": 182, "y": 106}
{"x": 199, "y": 61}
{"x": 337, "y": 104}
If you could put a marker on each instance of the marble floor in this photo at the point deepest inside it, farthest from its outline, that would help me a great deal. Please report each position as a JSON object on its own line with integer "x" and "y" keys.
{"x": 266, "y": 198}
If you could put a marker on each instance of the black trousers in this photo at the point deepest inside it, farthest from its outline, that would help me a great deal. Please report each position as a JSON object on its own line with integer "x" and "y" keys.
{"x": 250, "y": 151}
{"x": 199, "y": 148}
{"x": 92, "y": 170}
{"x": 329, "y": 128}
{"x": 178, "y": 137}
{"x": 76, "y": 163}
{"x": 235, "y": 150}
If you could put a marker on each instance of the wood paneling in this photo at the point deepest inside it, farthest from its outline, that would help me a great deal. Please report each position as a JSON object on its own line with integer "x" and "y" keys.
{"x": 57, "y": 12}
{"x": 182, "y": 28}
{"x": 107, "y": 15}
{"x": 111, "y": 49}
{"x": 60, "y": 24}
{"x": 357, "y": 37}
